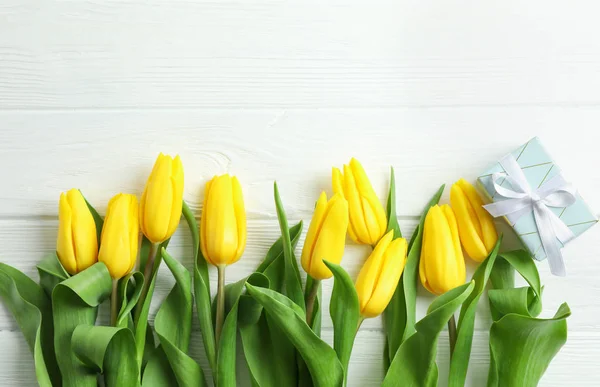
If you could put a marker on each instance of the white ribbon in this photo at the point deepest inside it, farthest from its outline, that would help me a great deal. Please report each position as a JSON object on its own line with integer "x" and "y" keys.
{"x": 521, "y": 200}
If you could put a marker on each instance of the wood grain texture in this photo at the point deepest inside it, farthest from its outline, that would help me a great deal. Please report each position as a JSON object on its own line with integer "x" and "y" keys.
{"x": 365, "y": 369}
{"x": 269, "y": 90}
{"x": 261, "y": 54}
{"x": 106, "y": 152}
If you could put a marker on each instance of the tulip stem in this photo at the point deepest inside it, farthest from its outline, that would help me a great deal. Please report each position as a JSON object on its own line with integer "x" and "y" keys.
{"x": 452, "y": 334}
{"x": 310, "y": 301}
{"x": 113, "y": 303}
{"x": 148, "y": 270}
{"x": 220, "y": 303}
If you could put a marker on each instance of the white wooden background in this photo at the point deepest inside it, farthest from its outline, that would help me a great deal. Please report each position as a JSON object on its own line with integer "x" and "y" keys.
{"x": 91, "y": 91}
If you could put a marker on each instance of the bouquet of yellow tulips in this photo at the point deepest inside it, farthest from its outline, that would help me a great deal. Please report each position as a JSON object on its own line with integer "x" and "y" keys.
{"x": 276, "y": 313}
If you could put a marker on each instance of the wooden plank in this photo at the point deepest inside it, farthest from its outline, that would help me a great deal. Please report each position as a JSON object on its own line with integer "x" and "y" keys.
{"x": 106, "y": 152}
{"x": 26, "y": 241}
{"x": 239, "y": 54}
{"x": 577, "y": 360}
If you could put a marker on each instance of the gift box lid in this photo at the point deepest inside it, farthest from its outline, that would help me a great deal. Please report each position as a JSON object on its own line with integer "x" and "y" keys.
{"x": 538, "y": 167}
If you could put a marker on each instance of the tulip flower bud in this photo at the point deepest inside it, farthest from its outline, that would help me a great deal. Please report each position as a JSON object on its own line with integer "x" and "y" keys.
{"x": 160, "y": 207}
{"x": 379, "y": 276}
{"x": 442, "y": 266}
{"x": 77, "y": 243}
{"x": 326, "y": 236}
{"x": 120, "y": 235}
{"x": 223, "y": 223}
{"x": 475, "y": 225}
{"x": 368, "y": 221}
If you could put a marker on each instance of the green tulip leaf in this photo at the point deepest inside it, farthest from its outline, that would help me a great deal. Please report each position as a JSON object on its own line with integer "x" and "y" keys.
{"x": 270, "y": 356}
{"x": 141, "y": 325}
{"x": 51, "y": 272}
{"x": 320, "y": 358}
{"x": 459, "y": 362}
{"x": 202, "y": 291}
{"x": 391, "y": 208}
{"x": 129, "y": 290}
{"x": 414, "y": 363}
{"x": 75, "y": 302}
{"x": 173, "y": 325}
{"x": 345, "y": 314}
{"x": 401, "y": 313}
{"x": 97, "y": 219}
{"x": 110, "y": 351}
{"x": 226, "y": 358}
{"x": 521, "y": 345}
{"x": 32, "y": 311}
{"x": 293, "y": 282}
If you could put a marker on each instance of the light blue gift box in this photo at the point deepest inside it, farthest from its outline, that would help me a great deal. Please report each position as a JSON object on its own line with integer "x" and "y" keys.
{"x": 538, "y": 167}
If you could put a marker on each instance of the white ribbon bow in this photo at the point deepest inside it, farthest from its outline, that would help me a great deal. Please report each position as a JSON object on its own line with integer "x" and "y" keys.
{"x": 521, "y": 200}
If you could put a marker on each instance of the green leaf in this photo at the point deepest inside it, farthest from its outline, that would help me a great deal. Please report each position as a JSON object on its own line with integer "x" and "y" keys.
{"x": 391, "y": 207}
{"x": 293, "y": 283}
{"x": 97, "y": 219}
{"x": 270, "y": 356}
{"x": 51, "y": 272}
{"x": 110, "y": 351}
{"x": 276, "y": 250}
{"x": 414, "y": 363}
{"x": 74, "y": 302}
{"x": 31, "y": 309}
{"x": 400, "y": 315}
{"x": 128, "y": 301}
{"x": 320, "y": 358}
{"x": 521, "y": 346}
{"x": 459, "y": 362}
{"x": 173, "y": 325}
{"x": 202, "y": 291}
{"x": 345, "y": 314}
{"x": 226, "y": 375}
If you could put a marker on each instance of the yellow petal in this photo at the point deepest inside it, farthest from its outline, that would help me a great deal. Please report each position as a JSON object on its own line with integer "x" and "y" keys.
{"x": 313, "y": 232}
{"x": 119, "y": 235}
{"x": 362, "y": 180}
{"x": 468, "y": 224}
{"x": 371, "y": 270}
{"x": 337, "y": 181}
{"x": 240, "y": 215}
{"x": 357, "y": 217}
{"x": 134, "y": 231}
{"x": 376, "y": 218}
{"x": 203, "y": 222}
{"x": 331, "y": 238}
{"x": 458, "y": 255}
{"x": 64, "y": 242}
{"x": 439, "y": 259}
{"x": 392, "y": 266}
{"x": 83, "y": 228}
{"x": 177, "y": 189}
{"x": 158, "y": 200}
{"x": 486, "y": 221}
{"x": 221, "y": 230}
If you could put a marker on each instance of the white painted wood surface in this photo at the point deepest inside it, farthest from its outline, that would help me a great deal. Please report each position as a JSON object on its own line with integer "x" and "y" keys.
{"x": 91, "y": 91}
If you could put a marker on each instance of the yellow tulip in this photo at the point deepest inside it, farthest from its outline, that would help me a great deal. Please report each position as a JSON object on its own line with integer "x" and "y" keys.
{"x": 160, "y": 207}
{"x": 223, "y": 223}
{"x": 77, "y": 243}
{"x": 326, "y": 236}
{"x": 475, "y": 225}
{"x": 120, "y": 235}
{"x": 442, "y": 265}
{"x": 368, "y": 221}
{"x": 378, "y": 278}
